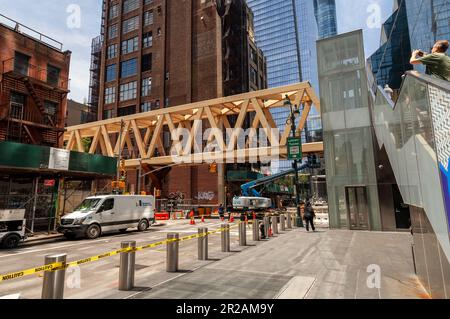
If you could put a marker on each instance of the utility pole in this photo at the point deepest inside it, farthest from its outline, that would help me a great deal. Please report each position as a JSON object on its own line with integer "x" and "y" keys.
{"x": 296, "y": 181}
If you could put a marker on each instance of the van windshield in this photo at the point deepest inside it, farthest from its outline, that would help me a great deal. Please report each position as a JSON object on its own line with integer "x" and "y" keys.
{"x": 88, "y": 204}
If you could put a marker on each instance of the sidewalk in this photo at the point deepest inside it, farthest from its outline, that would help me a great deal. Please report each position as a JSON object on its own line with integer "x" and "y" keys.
{"x": 296, "y": 265}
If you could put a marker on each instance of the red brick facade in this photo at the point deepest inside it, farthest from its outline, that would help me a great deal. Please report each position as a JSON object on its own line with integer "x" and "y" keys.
{"x": 34, "y": 86}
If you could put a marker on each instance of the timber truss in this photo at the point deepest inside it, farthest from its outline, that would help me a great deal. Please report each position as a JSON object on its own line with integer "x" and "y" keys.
{"x": 142, "y": 134}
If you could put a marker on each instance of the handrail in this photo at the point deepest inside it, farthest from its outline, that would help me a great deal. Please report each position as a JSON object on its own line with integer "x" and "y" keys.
{"x": 442, "y": 84}
{"x": 41, "y": 37}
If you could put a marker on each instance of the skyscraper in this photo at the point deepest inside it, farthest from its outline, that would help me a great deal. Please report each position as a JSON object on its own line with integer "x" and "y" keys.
{"x": 286, "y": 31}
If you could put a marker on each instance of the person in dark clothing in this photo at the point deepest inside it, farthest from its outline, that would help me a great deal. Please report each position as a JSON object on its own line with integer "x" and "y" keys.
{"x": 309, "y": 216}
{"x": 221, "y": 212}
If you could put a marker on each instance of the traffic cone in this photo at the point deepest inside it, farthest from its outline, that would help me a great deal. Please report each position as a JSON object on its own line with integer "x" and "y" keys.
{"x": 203, "y": 219}
{"x": 232, "y": 219}
{"x": 254, "y": 216}
{"x": 270, "y": 232}
{"x": 192, "y": 221}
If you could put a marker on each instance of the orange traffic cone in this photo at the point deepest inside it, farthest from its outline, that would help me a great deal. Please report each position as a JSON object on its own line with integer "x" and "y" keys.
{"x": 270, "y": 232}
{"x": 232, "y": 219}
{"x": 192, "y": 221}
{"x": 203, "y": 219}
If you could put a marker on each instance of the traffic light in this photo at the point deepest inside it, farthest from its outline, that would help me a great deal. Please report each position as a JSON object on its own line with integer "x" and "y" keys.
{"x": 213, "y": 168}
{"x": 123, "y": 171}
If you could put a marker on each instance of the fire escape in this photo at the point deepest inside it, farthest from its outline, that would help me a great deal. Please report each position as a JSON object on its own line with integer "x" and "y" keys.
{"x": 29, "y": 120}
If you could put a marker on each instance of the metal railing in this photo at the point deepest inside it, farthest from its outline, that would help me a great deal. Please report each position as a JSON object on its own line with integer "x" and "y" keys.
{"x": 41, "y": 74}
{"x": 18, "y": 27}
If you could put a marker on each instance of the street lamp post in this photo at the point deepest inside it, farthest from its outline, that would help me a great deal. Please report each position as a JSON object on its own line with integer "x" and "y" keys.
{"x": 292, "y": 118}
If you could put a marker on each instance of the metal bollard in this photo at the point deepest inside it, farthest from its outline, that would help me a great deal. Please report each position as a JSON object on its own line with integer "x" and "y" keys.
{"x": 225, "y": 238}
{"x": 289, "y": 221}
{"x": 127, "y": 267}
{"x": 275, "y": 225}
{"x": 293, "y": 219}
{"x": 266, "y": 226}
{"x": 203, "y": 244}
{"x": 242, "y": 234}
{"x": 53, "y": 286}
{"x": 255, "y": 230}
{"x": 172, "y": 252}
{"x": 283, "y": 222}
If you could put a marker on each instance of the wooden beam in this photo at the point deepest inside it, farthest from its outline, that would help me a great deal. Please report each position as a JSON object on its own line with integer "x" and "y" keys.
{"x": 95, "y": 141}
{"x": 157, "y": 131}
{"x": 138, "y": 138}
{"x": 107, "y": 141}
{"x": 79, "y": 142}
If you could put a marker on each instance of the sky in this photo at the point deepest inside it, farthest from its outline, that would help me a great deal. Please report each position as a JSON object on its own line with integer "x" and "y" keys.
{"x": 76, "y": 22}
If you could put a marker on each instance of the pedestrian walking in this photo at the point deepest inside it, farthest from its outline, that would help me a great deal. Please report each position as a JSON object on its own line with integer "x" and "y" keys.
{"x": 221, "y": 212}
{"x": 437, "y": 62}
{"x": 309, "y": 216}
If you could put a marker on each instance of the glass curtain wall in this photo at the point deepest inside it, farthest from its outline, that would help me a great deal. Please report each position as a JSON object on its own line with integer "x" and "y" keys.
{"x": 348, "y": 135}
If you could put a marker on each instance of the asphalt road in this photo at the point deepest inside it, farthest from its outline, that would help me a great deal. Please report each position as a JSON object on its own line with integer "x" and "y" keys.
{"x": 98, "y": 279}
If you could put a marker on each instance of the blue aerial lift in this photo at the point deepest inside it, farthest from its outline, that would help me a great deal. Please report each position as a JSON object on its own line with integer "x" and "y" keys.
{"x": 252, "y": 199}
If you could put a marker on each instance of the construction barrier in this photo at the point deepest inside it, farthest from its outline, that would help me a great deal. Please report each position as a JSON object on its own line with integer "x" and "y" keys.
{"x": 63, "y": 265}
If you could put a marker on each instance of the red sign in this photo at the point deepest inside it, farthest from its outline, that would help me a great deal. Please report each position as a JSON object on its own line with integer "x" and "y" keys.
{"x": 49, "y": 183}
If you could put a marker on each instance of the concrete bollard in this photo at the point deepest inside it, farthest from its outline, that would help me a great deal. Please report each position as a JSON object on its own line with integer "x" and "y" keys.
{"x": 54, "y": 280}
{"x": 203, "y": 243}
{"x": 242, "y": 234}
{"x": 275, "y": 225}
{"x": 266, "y": 226}
{"x": 283, "y": 222}
{"x": 255, "y": 230}
{"x": 127, "y": 267}
{"x": 172, "y": 252}
{"x": 289, "y": 221}
{"x": 225, "y": 238}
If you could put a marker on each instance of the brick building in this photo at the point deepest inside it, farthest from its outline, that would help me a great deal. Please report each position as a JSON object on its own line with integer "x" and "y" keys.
{"x": 34, "y": 73}
{"x": 163, "y": 53}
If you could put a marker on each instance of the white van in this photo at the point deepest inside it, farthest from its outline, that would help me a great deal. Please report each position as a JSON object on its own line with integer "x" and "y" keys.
{"x": 99, "y": 214}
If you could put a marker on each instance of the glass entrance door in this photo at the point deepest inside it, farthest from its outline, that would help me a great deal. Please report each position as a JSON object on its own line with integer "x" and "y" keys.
{"x": 357, "y": 208}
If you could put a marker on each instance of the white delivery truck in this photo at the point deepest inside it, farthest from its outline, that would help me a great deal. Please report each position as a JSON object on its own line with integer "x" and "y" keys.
{"x": 99, "y": 214}
{"x": 12, "y": 227}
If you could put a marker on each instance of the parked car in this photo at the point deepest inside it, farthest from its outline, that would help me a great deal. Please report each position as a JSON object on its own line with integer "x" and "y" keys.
{"x": 99, "y": 214}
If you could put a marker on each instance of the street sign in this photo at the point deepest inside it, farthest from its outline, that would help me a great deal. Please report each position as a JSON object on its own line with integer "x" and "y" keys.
{"x": 49, "y": 183}
{"x": 294, "y": 146}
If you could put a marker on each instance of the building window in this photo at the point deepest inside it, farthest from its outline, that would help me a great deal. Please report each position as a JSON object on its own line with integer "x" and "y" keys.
{"x": 50, "y": 113}
{"x": 18, "y": 102}
{"x": 130, "y": 45}
{"x": 110, "y": 72}
{"x": 113, "y": 32}
{"x": 112, "y": 51}
{"x": 130, "y": 5}
{"x": 130, "y": 25}
{"x": 147, "y": 62}
{"x": 253, "y": 76}
{"x": 146, "y": 86}
{"x": 113, "y": 12}
{"x": 128, "y": 91}
{"x": 148, "y": 2}
{"x": 147, "y": 40}
{"x": 53, "y": 75}
{"x": 146, "y": 107}
{"x": 148, "y": 18}
{"x": 108, "y": 114}
{"x": 124, "y": 111}
{"x": 128, "y": 68}
{"x": 21, "y": 63}
{"x": 254, "y": 56}
{"x": 110, "y": 95}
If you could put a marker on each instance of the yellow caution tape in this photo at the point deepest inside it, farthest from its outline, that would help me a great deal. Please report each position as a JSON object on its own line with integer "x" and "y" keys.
{"x": 60, "y": 265}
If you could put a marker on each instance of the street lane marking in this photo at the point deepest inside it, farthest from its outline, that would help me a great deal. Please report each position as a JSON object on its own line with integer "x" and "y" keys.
{"x": 61, "y": 265}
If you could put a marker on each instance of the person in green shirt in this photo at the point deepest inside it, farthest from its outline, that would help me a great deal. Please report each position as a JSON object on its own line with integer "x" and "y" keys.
{"x": 437, "y": 63}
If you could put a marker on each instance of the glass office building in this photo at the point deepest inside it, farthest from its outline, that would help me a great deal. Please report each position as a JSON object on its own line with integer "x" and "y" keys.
{"x": 287, "y": 32}
{"x": 325, "y": 13}
{"x": 391, "y": 60}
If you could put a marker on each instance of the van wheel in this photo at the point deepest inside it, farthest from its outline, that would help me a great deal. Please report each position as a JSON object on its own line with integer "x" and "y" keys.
{"x": 143, "y": 225}
{"x": 93, "y": 232}
{"x": 11, "y": 241}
